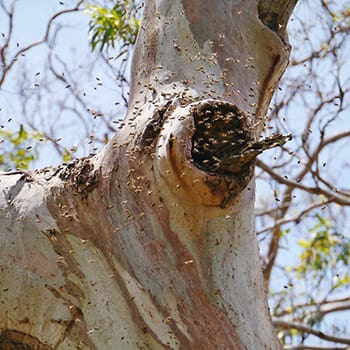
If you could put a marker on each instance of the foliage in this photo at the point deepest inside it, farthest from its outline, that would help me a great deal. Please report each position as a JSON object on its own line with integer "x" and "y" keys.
{"x": 119, "y": 24}
{"x": 326, "y": 250}
{"x": 21, "y": 148}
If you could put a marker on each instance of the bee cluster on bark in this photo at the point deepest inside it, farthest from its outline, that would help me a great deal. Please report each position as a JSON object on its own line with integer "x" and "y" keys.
{"x": 221, "y": 132}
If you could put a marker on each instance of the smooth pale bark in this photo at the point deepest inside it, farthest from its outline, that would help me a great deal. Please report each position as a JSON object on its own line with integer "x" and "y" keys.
{"x": 151, "y": 243}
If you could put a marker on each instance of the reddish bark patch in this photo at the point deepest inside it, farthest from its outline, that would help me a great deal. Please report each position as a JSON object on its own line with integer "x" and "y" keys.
{"x": 198, "y": 10}
{"x": 207, "y": 324}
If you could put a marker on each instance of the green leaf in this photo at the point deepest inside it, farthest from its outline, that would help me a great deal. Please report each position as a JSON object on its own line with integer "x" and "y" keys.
{"x": 325, "y": 250}
{"x": 20, "y": 148}
{"x": 66, "y": 156}
{"x": 108, "y": 26}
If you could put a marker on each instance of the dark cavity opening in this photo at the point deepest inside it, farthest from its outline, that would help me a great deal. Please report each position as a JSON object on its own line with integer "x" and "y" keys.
{"x": 220, "y": 132}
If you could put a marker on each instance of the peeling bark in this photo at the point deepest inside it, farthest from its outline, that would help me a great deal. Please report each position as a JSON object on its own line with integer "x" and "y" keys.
{"x": 151, "y": 243}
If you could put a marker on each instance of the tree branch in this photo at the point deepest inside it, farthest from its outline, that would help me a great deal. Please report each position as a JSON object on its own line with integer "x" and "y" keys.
{"x": 309, "y": 330}
{"x": 323, "y": 307}
{"x": 313, "y": 190}
{"x": 6, "y": 68}
{"x": 307, "y": 347}
{"x": 295, "y": 218}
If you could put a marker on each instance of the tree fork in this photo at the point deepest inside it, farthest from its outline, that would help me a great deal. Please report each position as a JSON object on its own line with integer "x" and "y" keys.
{"x": 151, "y": 243}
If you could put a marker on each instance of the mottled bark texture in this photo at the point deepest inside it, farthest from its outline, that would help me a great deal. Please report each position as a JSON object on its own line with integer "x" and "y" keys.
{"x": 151, "y": 243}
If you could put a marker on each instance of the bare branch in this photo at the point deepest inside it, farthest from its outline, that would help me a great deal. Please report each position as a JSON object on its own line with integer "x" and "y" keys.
{"x": 20, "y": 52}
{"x": 9, "y": 34}
{"x": 323, "y": 307}
{"x": 307, "y": 347}
{"x": 295, "y": 219}
{"x": 309, "y": 330}
{"x": 334, "y": 197}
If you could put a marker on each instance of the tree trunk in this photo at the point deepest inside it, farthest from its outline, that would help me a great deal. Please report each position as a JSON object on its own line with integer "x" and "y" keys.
{"x": 151, "y": 243}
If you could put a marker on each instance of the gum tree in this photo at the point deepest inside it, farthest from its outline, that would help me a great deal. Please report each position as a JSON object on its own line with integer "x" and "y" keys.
{"x": 151, "y": 243}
